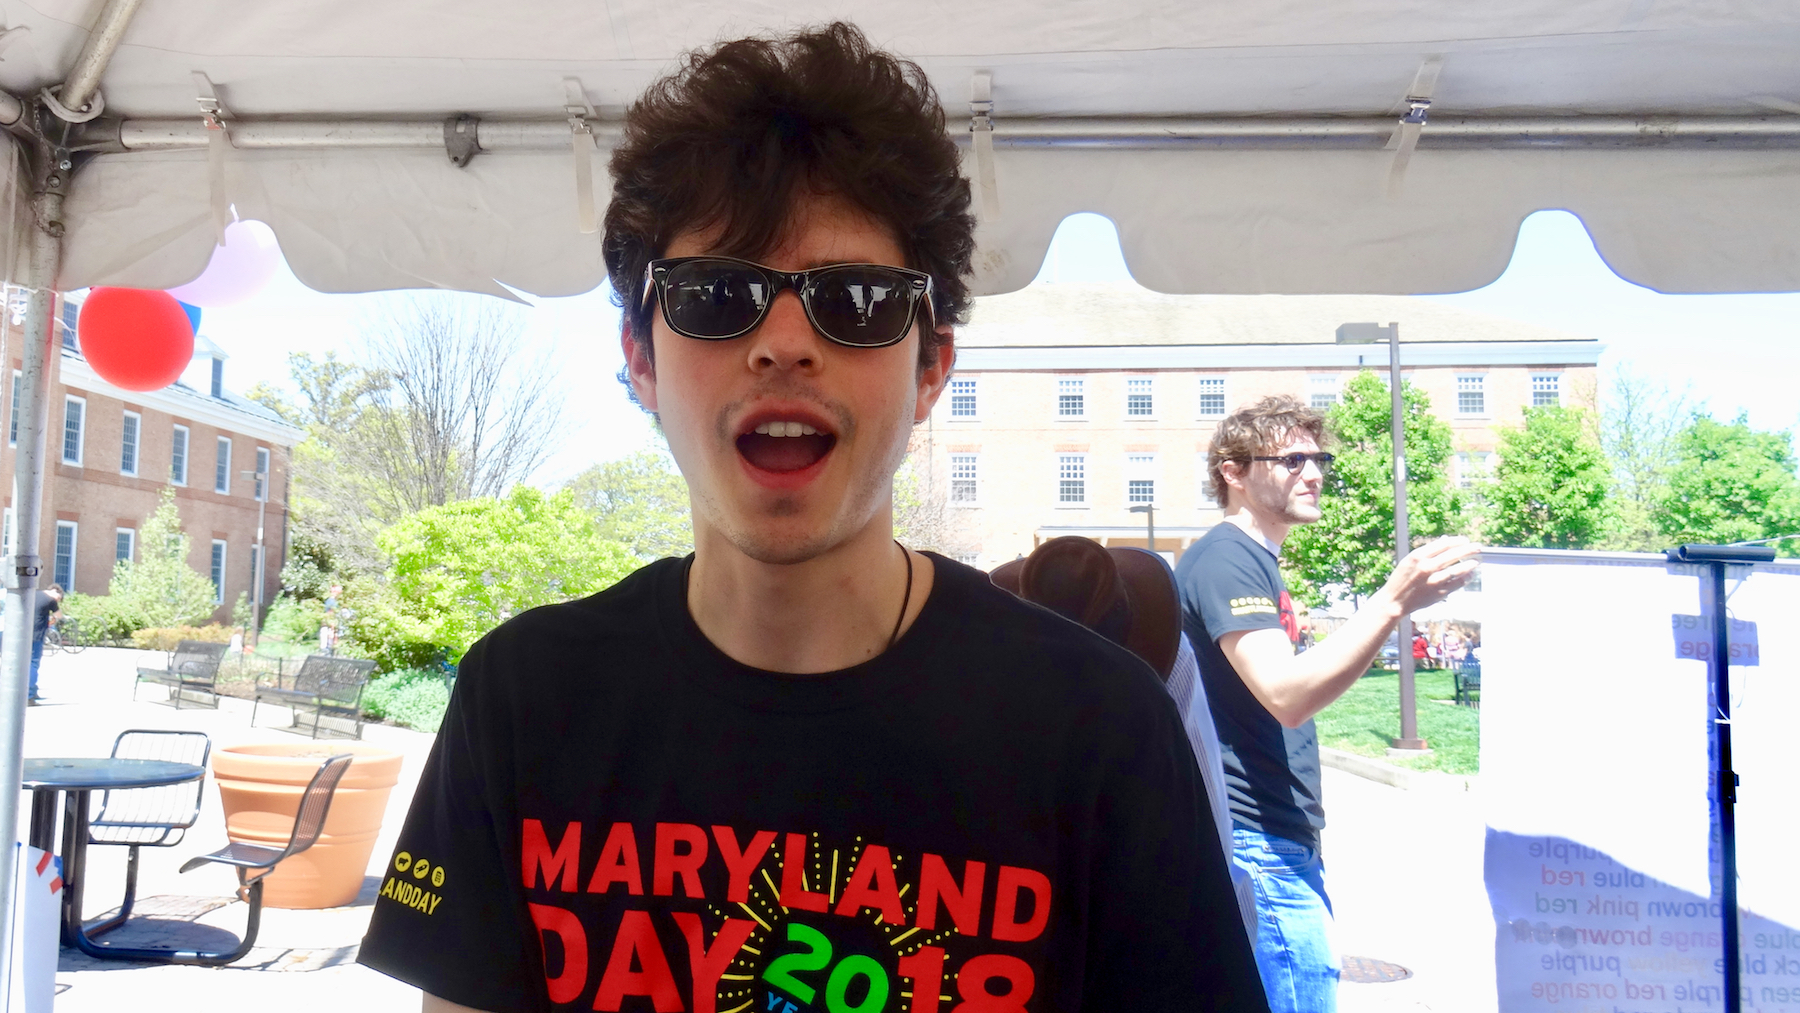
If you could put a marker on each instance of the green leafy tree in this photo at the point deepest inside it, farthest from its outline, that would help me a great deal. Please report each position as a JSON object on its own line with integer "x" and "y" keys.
{"x": 1640, "y": 422}
{"x": 1352, "y": 545}
{"x": 1731, "y": 483}
{"x": 1553, "y": 486}
{"x": 639, "y": 501}
{"x": 159, "y": 589}
{"x": 462, "y": 568}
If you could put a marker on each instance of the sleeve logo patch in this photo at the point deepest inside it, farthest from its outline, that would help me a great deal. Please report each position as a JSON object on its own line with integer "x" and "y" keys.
{"x": 413, "y": 895}
{"x": 1253, "y": 605}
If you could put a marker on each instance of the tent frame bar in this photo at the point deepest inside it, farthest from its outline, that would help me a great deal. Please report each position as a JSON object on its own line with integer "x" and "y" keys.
{"x": 112, "y": 135}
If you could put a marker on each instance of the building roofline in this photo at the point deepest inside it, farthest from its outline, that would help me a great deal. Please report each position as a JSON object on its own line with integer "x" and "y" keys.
{"x": 187, "y": 403}
{"x": 1317, "y": 355}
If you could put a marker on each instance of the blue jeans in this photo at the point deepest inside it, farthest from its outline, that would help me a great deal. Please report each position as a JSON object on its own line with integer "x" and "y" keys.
{"x": 1293, "y": 919}
{"x": 37, "y": 655}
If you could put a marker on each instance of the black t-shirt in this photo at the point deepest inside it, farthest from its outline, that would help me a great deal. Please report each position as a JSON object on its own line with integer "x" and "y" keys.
{"x": 1002, "y": 811}
{"x": 44, "y": 605}
{"x": 1230, "y": 581}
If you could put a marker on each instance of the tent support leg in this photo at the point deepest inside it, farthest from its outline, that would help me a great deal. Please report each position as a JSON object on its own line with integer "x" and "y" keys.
{"x": 37, "y": 283}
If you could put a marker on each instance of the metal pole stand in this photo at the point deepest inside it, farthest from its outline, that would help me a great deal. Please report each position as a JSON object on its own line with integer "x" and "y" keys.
{"x": 1717, "y": 558}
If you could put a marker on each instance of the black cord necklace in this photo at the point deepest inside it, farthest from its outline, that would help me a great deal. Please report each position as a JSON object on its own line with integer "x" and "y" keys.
{"x": 904, "y": 602}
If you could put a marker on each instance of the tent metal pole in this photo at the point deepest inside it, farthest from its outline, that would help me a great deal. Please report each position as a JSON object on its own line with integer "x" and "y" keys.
{"x": 39, "y": 270}
{"x": 102, "y": 41}
{"x": 51, "y": 170}
{"x": 1365, "y": 133}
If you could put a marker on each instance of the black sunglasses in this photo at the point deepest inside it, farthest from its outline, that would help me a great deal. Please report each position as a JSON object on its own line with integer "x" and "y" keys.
{"x": 720, "y": 298}
{"x": 1295, "y": 462}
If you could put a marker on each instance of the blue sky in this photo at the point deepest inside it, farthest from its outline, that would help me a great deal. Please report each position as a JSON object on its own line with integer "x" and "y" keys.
{"x": 1734, "y": 352}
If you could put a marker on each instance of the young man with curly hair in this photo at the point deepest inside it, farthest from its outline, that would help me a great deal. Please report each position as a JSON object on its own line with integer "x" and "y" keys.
{"x": 806, "y": 768}
{"x": 1267, "y": 470}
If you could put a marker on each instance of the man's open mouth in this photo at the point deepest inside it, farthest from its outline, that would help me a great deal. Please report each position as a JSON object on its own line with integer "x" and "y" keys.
{"x": 785, "y": 445}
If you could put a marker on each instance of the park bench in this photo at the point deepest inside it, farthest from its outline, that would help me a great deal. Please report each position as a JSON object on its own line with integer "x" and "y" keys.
{"x": 193, "y": 668}
{"x": 323, "y": 685}
{"x": 1468, "y": 681}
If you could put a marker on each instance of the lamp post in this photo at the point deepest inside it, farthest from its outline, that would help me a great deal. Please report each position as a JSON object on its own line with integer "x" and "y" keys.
{"x": 1371, "y": 333}
{"x": 1149, "y": 512}
{"x": 261, "y": 476}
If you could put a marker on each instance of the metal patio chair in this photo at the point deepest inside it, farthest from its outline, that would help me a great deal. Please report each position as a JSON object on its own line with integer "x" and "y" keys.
{"x": 253, "y": 862}
{"x": 148, "y": 817}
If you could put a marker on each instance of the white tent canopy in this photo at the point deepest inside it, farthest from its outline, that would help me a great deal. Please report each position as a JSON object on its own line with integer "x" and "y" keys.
{"x": 1609, "y": 108}
{"x": 1239, "y": 147}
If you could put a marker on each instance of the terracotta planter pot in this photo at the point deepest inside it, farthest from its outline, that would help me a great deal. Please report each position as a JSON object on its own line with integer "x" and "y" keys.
{"x": 260, "y": 786}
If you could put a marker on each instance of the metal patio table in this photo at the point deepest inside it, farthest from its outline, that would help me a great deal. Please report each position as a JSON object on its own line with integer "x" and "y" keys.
{"x": 76, "y": 778}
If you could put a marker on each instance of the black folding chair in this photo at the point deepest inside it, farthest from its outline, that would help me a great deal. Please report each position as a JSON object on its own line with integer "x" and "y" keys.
{"x": 148, "y": 817}
{"x": 253, "y": 862}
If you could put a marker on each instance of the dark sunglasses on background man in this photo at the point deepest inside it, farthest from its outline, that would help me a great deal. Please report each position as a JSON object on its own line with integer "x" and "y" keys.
{"x": 720, "y": 298}
{"x": 1297, "y": 461}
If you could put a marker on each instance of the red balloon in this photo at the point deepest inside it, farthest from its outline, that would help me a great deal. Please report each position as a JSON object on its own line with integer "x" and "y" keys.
{"x": 135, "y": 338}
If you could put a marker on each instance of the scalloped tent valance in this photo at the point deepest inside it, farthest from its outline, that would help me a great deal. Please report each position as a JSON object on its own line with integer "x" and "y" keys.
{"x": 1238, "y": 147}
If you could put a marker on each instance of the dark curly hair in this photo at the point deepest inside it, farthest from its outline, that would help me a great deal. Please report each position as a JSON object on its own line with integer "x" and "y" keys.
{"x": 741, "y": 132}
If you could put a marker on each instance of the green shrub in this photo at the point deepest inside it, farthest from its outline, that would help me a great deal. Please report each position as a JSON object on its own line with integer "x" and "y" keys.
{"x": 103, "y": 619}
{"x": 167, "y": 637}
{"x": 295, "y": 620}
{"x": 374, "y": 624}
{"x": 413, "y": 697}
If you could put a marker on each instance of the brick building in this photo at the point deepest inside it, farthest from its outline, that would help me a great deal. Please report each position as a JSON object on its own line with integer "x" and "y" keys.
{"x": 111, "y": 452}
{"x": 1072, "y": 403}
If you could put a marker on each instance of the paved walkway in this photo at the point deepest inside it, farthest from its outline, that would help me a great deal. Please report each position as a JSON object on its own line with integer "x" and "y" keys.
{"x": 303, "y": 960}
{"x": 1404, "y": 869}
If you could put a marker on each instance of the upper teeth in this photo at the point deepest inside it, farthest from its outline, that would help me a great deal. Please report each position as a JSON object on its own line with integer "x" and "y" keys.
{"x": 786, "y": 429}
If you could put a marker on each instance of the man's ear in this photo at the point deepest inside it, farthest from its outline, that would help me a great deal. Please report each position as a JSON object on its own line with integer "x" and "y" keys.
{"x": 640, "y": 367}
{"x": 1233, "y": 474}
{"x": 935, "y": 373}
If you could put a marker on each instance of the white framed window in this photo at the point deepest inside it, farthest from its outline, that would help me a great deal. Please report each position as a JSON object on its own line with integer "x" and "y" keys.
{"x": 965, "y": 475}
{"x": 218, "y": 571}
{"x": 6, "y": 533}
{"x": 1322, "y": 391}
{"x": 71, "y": 312}
{"x": 124, "y": 545}
{"x": 222, "y": 469}
{"x": 1071, "y": 397}
{"x": 12, "y": 434}
{"x": 1140, "y": 397}
{"x": 1071, "y": 480}
{"x": 128, "y": 443}
{"x": 1140, "y": 478}
{"x": 1471, "y": 394}
{"x": 262, "y": 472}
{"x": 1546, "y": 390}
{"x": 1205, "y": 491}
{"x": 1212, "y": 396}
{"x": 963, "y": 404}
{"x": 63, "y": 568}
{"x": 178, "y": 456}
{"x": 1472, "y": 468}
{"x": 969, "y": 558}
{"x": 74, "y": 422}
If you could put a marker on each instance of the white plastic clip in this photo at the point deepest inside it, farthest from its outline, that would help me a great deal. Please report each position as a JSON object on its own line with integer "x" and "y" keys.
{"x": 581, "y": 139}
{"x": 1415, "y": 107}
{"x": 981, "y": 133}
{"x": 214, "y": 114}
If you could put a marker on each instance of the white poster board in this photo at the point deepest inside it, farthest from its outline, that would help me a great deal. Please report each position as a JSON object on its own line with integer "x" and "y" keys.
{"x": 35, "y": 930}
{"x": 1601, "y": 857}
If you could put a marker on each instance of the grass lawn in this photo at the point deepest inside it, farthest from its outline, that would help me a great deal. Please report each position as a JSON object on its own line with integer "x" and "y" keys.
{"x": 1366, "y": 718}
